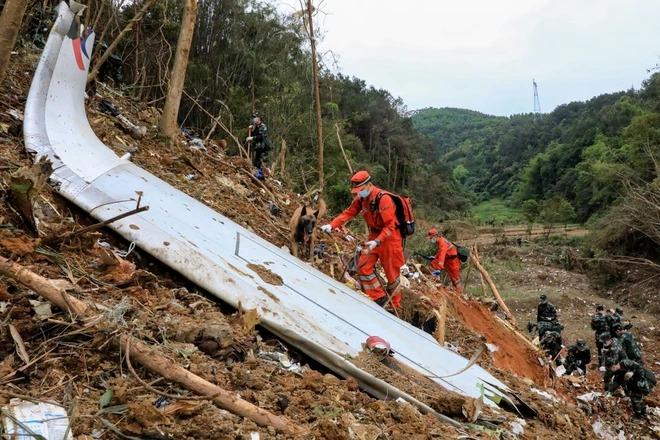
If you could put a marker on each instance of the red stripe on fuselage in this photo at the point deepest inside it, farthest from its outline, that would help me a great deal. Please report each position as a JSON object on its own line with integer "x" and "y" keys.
{"x": 77, "y": 52}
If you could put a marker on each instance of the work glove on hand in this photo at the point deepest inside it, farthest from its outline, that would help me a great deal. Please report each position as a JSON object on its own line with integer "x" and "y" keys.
{"x": 370, "y": 245}
{"x": 628, "y": 375}
{"x": 249, "y": 139}
{"x": 251, "y": 127}
{"x": 436, "y": 273}
{"x": 326, "y": 228}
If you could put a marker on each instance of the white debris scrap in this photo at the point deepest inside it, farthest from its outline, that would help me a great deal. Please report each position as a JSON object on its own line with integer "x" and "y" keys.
{"x": 518, "y": 426}
{"x": 605, "y": 432}
{"x": 492, "y": 347}
{"x": 23, "y": 419}
{"x": 545, "y": 395}
{"x": 588, "y": 397}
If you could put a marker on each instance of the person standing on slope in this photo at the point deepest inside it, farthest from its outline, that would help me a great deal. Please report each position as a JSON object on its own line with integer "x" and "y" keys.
{"x": 384, "y": 243}
{"x": 446, "y": 259}
{"x": 258, "y": 138}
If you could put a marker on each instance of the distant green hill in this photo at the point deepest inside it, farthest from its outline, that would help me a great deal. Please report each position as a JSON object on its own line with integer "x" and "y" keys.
{"x": 576, "y": 153}
{"x": 448, "y": 127}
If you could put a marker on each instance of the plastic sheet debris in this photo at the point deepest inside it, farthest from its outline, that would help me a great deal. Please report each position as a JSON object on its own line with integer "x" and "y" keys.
{"x": 518, "y": 426}
{"x": 605, "y": 432}
{"x": 23, "y": 419}
{"x": 197, "y": 144}
{"x": 41, "y": 309}
{"x": 588, "y": 397}
{"x": 284, "y": 361}
{"x": 492, "y": 347}
{"x": 545, "y": 395}
{"x": 560, "y": 371}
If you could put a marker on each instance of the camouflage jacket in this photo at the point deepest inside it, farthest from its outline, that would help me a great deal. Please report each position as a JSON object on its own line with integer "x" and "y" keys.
{"x": 613, "y": 354}
{"x": 599, "y": 323}
{"x": 260, "y": 139}
{"x": 631, "y": 347}
{"x": 546, "y": 312}
{"x": 641, "y": 381}
{"x": 578, "y": 355}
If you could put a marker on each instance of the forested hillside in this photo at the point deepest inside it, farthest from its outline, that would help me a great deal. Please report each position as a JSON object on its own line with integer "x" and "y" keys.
{"x": 245, "y": 57}
{"x": 582, "y": 153}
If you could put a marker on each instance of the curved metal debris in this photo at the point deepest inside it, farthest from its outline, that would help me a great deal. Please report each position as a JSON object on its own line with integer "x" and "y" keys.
{"x": 206, "y": 247}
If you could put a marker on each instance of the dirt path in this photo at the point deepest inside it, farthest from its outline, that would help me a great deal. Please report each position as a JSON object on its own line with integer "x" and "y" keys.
{"x": 491, "y": 236}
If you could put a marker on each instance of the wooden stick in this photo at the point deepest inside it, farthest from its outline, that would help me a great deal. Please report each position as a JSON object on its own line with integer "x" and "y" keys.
{"x": 110, "y": 50}
{"x": 148, "y": 356}
{"x": 496, "y": 293}
{"x": 441, "y": 317}
{"x": 96, "y": 226}
{"x": 341, "y": 146}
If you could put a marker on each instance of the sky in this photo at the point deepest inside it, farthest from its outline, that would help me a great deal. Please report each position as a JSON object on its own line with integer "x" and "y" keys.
{"x": 483, "y": 54}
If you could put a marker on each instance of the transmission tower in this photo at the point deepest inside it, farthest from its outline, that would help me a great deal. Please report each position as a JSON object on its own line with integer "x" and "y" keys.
{"x": 537, "y": 103}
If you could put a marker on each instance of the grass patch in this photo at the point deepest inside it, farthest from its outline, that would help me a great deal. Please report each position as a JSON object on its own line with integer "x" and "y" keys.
{"x": 497, "y": 210}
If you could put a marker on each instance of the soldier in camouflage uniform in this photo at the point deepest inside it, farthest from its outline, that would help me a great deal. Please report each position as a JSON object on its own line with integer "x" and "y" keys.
{"x": 545, "y": 311}
{"x": 612, "y": 318}
{"x": 551, "y": 344}
{"x": 627, "y": 340}
{"x": 600, "y": 325}
{"x": 638, "y": 382}
{"x": 613, "y": 354}
{"x": 261, "y": 145}
{"x": 546, "y": 317}
{"x": 579, "y": 356}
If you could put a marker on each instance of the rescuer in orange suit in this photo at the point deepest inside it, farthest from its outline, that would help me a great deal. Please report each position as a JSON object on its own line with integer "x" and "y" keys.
{"x": 385, "y": 242}
{"x": 446, "y": 259}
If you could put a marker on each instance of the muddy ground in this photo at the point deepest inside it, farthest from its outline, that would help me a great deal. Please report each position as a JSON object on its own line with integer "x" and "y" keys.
{"x": 83, "y": 369}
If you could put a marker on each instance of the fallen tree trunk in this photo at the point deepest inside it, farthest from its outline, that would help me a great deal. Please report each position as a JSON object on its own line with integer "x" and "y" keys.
{"x": 148, "y": 356}
{"x": 496, "y": 293}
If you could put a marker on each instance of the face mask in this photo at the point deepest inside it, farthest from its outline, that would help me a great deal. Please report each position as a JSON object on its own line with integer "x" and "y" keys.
{"x": 364, "y": 193}
{"x": 431, "y": 240}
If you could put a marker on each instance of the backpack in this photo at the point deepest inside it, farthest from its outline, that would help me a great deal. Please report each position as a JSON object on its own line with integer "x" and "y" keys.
{"x": 404, "y": 214}
{"x": 462, "y": 252}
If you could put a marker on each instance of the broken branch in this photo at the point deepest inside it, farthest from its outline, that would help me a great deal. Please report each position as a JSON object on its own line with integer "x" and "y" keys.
{"x": 150, "y": 357}
{"x": 492, "y": 286}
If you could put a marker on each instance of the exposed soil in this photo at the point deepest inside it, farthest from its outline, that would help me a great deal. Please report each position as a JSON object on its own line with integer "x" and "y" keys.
{"x": 140, "y": 296}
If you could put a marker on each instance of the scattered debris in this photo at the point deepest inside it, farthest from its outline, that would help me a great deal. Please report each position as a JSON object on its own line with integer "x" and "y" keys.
{"x": 26, "y": 419}
{"x": 605, "y": 432}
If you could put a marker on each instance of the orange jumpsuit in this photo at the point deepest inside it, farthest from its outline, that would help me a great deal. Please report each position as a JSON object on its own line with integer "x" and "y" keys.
{"x": 447, "y": 259}
{"x": 383, "y": 226}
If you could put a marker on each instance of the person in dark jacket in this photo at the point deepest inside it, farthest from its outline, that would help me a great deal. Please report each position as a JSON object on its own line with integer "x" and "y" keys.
{"x": 613, "y": 354}
{"x": 600, "y": 324}
{"x": 637, "y": 383}
{"x": 261, "y": 146}
{"x": 579, "y": 356}
{"x": 628, "y": 343}
{"x": 546, "y": 311}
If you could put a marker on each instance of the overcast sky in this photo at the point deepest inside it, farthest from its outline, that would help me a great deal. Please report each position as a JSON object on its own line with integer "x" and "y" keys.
{"x": 483, "y": 54}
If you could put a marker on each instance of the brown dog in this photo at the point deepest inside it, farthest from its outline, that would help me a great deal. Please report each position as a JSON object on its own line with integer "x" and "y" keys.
{"x": 303, "y": 230}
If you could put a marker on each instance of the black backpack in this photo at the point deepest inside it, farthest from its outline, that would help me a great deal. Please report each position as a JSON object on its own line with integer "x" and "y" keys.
{"x": 462, "y": 252}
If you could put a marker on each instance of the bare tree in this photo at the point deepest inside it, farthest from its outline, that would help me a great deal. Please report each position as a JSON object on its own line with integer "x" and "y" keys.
{"x": 317, "y": 93}
{"x": 10, "y": 24}
{"x": 129, "y": 26}
{"x": 168, "y": 122}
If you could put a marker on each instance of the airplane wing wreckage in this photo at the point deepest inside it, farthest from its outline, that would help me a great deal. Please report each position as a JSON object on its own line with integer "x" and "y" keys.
{"x": 320, "y": 316}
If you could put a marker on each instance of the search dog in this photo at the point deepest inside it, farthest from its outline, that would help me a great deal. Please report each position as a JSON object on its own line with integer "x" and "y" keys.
{"x": 302, "y": 227}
